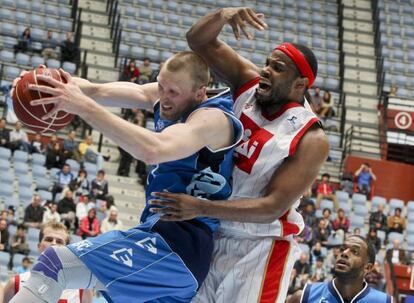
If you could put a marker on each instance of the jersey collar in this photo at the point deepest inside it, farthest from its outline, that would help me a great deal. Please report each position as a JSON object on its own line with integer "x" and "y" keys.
{"x": 334, "y": 291}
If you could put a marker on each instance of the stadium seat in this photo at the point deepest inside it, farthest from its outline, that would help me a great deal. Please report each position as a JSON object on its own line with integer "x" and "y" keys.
{"x": 20, "y": 156}
{"x": 4, "y": 164}
{"x": 410, "y": 206}
{"x": 52, "y": 63}
{"x": 394, "y": 203}
{"x": 51, "y": 23}
{"x": 33, "y": 234}
{"x": 21, "y": 17}
{"x": 393, "y": 236}
{"x": 43, "y": 184}
{"x": 359, "y": 199}
{"x": 69, "y": 67}
{"x": 25, "y": 181}
{"x": 342, "y": 196}
{"x": 360, "y": 210}
{"x": 11, "y": 72}
{"x": 91, "y": 169}
{"x": 7, "y": 56}
{"x": 376, "y": 200}
{"x": 357, "y": 222}
{"x": 327, "y": 204}
{"x": 4, "y": 260}
{"x": 36, "y": 61}
{"x": 25, "y": 194}
{"x": 45, "y": 195}
{"x": 21, "y": 168}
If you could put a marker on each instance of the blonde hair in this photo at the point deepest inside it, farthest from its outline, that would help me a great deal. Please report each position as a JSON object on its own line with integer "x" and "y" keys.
{"x": 191, "y": 62}
{"x": 55, "y": 226}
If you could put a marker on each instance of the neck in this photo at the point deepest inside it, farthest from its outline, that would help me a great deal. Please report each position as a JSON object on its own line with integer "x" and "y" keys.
{"x": 348, "y": 289}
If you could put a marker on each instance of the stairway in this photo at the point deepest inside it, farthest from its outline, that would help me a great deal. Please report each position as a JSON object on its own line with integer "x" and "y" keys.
{"x": 360, "y": 77}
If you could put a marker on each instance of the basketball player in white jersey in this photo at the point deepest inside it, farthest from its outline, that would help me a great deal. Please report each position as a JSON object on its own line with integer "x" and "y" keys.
{"x": 51, "y": 234}
{"x": 280, "y": 156}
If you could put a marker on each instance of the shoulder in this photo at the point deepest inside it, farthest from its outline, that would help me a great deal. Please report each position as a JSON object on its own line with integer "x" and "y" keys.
{"x": 379, "y": 295}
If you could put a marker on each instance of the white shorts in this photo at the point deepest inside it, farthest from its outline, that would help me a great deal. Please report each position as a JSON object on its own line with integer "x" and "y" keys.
{"x": 249, "y": 270}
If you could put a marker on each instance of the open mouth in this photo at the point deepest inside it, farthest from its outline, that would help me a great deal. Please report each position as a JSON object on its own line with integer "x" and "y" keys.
{"x": 342, "y": 263}
{"x": 166, "y": 107}
{"x": 264, "y": 87}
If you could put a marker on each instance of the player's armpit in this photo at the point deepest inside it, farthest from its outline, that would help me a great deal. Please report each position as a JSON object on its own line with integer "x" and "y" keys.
{"x": 295, "y": 298}
{"x": 298, "y": 172}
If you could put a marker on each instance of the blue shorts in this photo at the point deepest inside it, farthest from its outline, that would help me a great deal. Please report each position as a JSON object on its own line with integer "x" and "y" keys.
{"x": 154, "y": 262}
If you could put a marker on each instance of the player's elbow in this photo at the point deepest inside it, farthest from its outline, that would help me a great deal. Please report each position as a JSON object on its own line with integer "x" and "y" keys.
{"x": 151, "y": 156}
{"x": 192, "y": 40}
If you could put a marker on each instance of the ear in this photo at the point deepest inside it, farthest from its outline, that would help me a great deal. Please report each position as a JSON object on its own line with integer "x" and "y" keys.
{"x": 301, "y": 83}
{"x": 368, "y": 268}
{"x": 201, "y": 92}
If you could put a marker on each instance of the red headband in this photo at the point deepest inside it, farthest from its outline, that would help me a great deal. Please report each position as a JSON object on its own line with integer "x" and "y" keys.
{"x": 299, "y": 60}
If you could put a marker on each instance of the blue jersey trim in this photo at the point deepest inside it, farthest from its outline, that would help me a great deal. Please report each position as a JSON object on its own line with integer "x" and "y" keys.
{"x": 305, "y": 294}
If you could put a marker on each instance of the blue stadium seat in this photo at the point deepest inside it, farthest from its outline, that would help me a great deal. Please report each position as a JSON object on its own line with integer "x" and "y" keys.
{"x": 64, "y": 11}
{"x": 135, "y": 38}
{"x": 37, "y": 6}
{"x": 6, "y": 190}
{"x": 131, "y": 24}
{"x": 188, "y": 21}
{"x": 36, "y": 61}
{"x": 172, "y": 6}
{"x": 4, "y": 164}
{"x": 21, "y": 168}
{"x": 20, "y": 156}
{"x": 360, "y": 210}
{"x": 11, "y": 72}
{"x": 51, "y": 23}
{"x": 173, "y": 19}
{"x": 4, "y": 260}
{"x": 91, "y": 169}
{"x": 25, "y": 181}
{"x": 124, "y": 49}
{"x": 377, "y": 200}
{"x": 153, "y": 54}
{"x": 9, "y": 29}
{"x": 359, "y": 199}
{"x": 38, "y": 171}
{"x": 166, "y": 42}
{"x": 357, "y": 222}
{"x": 165, "y": 55}
{"x": 52, "y": 63}
{"x": 51, "y": 10}
{"x": 395, "y": 203}
{"x": 26, "y": 195}
{"x": 151, "y": 40}
{"x": 146, "y": 27}
{"x": 22, "y": 59}
{"x": 144, "y": 13}
{"x": 342, "y": 196}
{"x": 393, "y": 235}
{"x": 137, "y": 52}
{"x": 410, "y": 206}
{"x": 6, "y": 177}
{"x": 7, "y": 56}
{"x": 345, "y": 207}
{"x": 327, "y": 204}
{"x": 6, "y": 13}
{"x": 74, "y": 165}
{"x": 177, "y": 32}
{"x": 69, "y": 67}
{"x": 158, "y": 16}
{"x": 45, "y": 195}
{"x": 21, "y": 17}
{"x": 65, "y": 25}
{"x": 43, "y": 183}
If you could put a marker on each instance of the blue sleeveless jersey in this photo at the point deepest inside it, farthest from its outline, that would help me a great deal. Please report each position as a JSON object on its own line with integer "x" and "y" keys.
{"x": 207, "y": 173}
{"x": 327, "y": 293}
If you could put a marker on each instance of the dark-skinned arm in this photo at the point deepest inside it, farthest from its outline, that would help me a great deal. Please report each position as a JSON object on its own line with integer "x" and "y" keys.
{"x": 286, "y": 186}
{"x": 220, "y": 57}
{"x": 296, "y": 297}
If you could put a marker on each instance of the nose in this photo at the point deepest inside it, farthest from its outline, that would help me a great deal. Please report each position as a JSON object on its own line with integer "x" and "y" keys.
{"x": 265, "y": 72}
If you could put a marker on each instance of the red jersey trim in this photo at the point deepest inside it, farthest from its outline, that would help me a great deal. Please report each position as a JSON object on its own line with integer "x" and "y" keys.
{"x": 245, "y": 87}
{"x": 299, "y": 135}
{"x": 281, "y": 111}
{"x": 288, "y": 228}
{"x": 16, "y": 284}
{"x": 274, "y": 271}
{"x": 81, "y": 295}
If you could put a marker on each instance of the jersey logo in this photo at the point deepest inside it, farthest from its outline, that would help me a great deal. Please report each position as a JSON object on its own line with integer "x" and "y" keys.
{"x": 248, "y": 151}
{"x": 82, "y": 245}
{"x": 292, "y": 120}
{"x": 123, "y": 255}
{"x": 206, "y": 183}
{"x": 323, "y": 300}
{"x": 148, "y": 244}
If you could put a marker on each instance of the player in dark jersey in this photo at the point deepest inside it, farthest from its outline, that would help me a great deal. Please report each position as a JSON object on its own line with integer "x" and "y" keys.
{"x": 355, "y": 260}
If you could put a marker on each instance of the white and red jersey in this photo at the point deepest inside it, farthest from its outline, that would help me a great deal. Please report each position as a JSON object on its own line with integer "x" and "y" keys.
{"x": 267, "y": 142}
{"x": 68, "y": 295}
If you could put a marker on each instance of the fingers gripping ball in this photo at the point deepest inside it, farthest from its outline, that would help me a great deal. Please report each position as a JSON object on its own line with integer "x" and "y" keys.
{"x": 31, "y": 115}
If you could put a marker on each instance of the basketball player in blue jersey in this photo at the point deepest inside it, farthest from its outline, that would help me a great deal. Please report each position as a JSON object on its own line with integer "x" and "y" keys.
{"x": 355, "y": 260}
{"x": 156, "y": 261}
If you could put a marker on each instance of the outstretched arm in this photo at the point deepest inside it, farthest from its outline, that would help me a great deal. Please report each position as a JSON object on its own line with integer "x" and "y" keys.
{"x": 296, "y": 297}
{"x": 120, "y": 94}
{"x": 208, "y": 127}
{"x": 228, "y": 65}
{"x": 287, "y": 185}
{"x": 8, "y": 291}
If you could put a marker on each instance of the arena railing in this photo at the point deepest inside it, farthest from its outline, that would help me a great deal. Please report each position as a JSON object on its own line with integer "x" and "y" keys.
{"x": 74, "y": 14}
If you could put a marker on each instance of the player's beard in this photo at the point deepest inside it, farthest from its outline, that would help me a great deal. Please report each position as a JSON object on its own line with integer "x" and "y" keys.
{"x": 277, "y": 97}
{"x": 349, "y": 275}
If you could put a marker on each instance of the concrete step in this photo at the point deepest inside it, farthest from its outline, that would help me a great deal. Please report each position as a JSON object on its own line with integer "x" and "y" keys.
{"x": 97, "y": 18}
{"x": 359, "y": 37}
{"x": 354, "y": 49}
{"x": 360, "y": 4}
{"x": 363, "y": 102}
{"x": 353, "y": 114}
{"x": 99, "y": 6}
{"x": 360, "y": 88}
{"x": 103, "y": 75}
{"x": 358, "y": 26}
{"x": 356, "y": 74}
{"x": 359, "y": 62}
{"x": 96, "y": 44}
{"x": 357, "y": 13}
{"x": 94, "y": 58}
{"x": 102, "y": 32}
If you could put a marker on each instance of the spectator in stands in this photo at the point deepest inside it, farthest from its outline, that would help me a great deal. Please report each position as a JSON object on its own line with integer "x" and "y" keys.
{"x": 33, "y": 214}
{"x": 69, "y": 50}
{"x": 316, "y": 252}
{"x": 89, "y": 226}
{"x": 4, "y": 133}
{"x": 316, "y": 103}
{"x": 155, "y": 72}
{"x": 52, "y": 140}
{"x": 303, "y": 268}
{"x": 319, "y": 271}
{"x": 294, "y": 283}
{"x": 51, "y": 213}
{"x": 347, "y": 183}
{"x": 19, "y": 139}
{"x": 145, "y": 71}
{"x": 4, "y": 236}
{"x": 19, "y": 244}
{"x": 325, "y": 191}
{"x": 111, "y": 222}
{"x": 326, "y": 110}
{"x": 82, "y": 207}
{"x": 357, "y": 231}
{"x": 326, "y": 217}
{"x": 67, "y": 210}
{"x": 26, "y": 266}
{"x": 99, "y": 189}
{"x": 9, "y": 216}
{"x": 49, "y": 47}
{"x": 396, "y": 255}
{"x": 372, "y": 238}
{"x": 321, "y": 233}
{"x": 89, "y": 152}
{"x": 36, "y": 146}
{"x": 308, "y": 211}
{"x": 375, "y": 278}
{"x": 70, "y": 147}
{"x": 102, "y": 210}
{"x": 24, "y": 42}
{"x": 341, "y": 221}
{"x": 396, "y": 223}
{"x": 378, "y": 219}
{"x": 131, "y": 72}
{"x": 55, "y": 157}
{"x": 393, "y": 90}
{"x": 365, "y": 177}
{"x": 63, "y": 178}
{"x": 80, "y": 186}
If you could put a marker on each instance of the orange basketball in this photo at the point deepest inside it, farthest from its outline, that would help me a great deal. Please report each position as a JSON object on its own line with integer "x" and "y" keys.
{"x": 31, "y": 116}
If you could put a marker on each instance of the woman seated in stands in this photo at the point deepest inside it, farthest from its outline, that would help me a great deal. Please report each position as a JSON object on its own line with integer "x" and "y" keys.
{"x": 25, "y": 41}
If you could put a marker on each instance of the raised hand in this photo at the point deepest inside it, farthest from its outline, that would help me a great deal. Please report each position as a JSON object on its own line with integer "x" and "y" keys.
{"x": 240, "y": 17}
